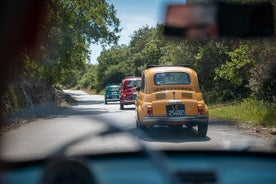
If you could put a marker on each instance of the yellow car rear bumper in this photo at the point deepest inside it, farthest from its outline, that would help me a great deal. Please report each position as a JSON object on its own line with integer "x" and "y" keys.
{"x": 179, "y": 119}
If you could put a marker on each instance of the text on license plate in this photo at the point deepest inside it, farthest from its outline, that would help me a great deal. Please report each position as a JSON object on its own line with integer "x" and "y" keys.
{"x": 175, "y": 110}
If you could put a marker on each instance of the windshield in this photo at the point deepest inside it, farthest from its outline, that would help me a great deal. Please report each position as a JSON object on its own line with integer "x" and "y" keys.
{"x": 62, "y": 62}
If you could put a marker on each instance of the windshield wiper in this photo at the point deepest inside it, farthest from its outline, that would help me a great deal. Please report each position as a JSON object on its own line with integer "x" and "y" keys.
{"x": 157, "y": 157}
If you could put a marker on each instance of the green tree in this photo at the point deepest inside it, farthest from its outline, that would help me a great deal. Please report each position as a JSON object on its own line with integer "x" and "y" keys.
{"x": 67, "y": 30}
{"x": 236, "y": 69}
{"x": 113, "y": 66}
{"x": 262, "y": 81}
{"x": 70, "y": 28}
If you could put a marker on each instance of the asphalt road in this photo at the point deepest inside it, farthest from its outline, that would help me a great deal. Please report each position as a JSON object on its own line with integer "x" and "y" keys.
{"x": 48, "y": 134}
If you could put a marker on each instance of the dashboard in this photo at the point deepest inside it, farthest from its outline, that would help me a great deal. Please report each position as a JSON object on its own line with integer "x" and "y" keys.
{"x": 136, "y": 167}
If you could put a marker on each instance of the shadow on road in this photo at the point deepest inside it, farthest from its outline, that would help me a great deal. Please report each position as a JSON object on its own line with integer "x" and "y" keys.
{"x": 75, "y": 95}
{"x": 113, "y": 103}
{"x": 128, "y": 108}
{"x": 50, "y": 111}
{"x": 174, "y": 135}
{"x": 216, "y": 122}
{"x": 88, "y": 102}
{"x": 83, "y": 111}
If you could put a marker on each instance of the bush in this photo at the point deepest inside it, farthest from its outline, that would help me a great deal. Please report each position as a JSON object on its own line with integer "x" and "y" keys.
{"x": 26, "y": 93}
{"x": 263, "y": 81}
{"x": 14, "y": 99}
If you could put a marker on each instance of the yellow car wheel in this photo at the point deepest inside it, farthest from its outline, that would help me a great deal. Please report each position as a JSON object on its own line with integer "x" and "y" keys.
{"x": 202, "y": 129}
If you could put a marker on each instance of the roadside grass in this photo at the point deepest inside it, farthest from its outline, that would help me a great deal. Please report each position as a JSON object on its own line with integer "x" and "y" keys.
{"x": 102, "y": 92}
{"x": 257, "y": 113}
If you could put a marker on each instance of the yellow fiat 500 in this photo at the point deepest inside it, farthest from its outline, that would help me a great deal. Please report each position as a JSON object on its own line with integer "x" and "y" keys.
{"x": 170, "y": 96}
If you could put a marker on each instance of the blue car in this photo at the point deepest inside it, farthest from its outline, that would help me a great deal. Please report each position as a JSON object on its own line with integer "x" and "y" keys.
{"x": 112, "y": 93}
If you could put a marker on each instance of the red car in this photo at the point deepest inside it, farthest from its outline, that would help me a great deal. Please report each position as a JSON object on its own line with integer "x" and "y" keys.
{"x": 128, "y": 92}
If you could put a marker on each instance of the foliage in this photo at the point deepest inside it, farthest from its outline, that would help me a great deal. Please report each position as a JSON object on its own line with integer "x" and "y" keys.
{"x": 25, "y": 93}
{"x": 228, "y": 70}
{"x": 262, "y": 81}
{"x": 88, "y": 79}
{"x": 69, "y": 29}
{"x": 235, "y": 69}
{"x": 14, "y": 99}
{"x": 113, "y": 66}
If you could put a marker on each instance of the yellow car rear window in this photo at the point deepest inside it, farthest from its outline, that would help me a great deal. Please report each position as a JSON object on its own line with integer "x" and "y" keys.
{"x": 171, "y": 78}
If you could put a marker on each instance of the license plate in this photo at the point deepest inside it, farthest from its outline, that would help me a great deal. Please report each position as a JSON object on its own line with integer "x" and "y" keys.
{"x": 175, "y": 110}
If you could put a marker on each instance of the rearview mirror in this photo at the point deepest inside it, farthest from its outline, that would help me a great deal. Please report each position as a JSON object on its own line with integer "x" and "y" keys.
{"x": 211, "y": 21}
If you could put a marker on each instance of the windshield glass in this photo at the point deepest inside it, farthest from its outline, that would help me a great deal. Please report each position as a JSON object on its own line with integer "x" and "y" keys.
{"x": 58, "y": 62}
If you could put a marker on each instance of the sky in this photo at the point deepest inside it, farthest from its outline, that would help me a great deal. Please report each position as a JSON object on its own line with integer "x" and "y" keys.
{"x": 133, "y": 14}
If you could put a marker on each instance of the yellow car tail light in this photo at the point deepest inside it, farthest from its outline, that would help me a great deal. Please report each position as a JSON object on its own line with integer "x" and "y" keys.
{"x": 149, "y": 110}
{"x": 200, "y": 109}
